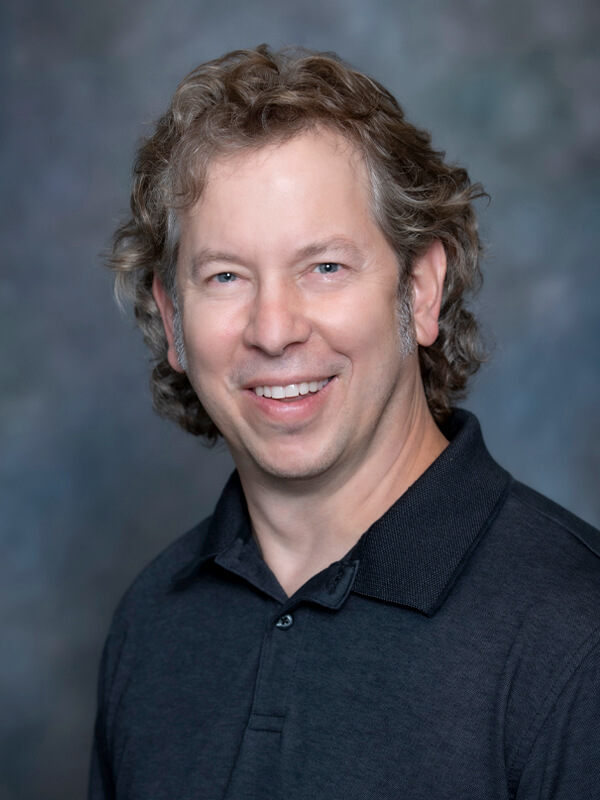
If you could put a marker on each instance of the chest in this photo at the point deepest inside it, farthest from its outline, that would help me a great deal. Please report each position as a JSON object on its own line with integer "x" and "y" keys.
{"x": 366, "y": 701}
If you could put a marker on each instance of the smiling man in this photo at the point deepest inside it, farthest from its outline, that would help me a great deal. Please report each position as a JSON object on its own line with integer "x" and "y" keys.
{"x": 376, "y": 608}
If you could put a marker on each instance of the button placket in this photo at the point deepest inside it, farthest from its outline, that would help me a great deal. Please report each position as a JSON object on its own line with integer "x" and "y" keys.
{"x": 277, "y": 668}
{"x": 259, "y": 765}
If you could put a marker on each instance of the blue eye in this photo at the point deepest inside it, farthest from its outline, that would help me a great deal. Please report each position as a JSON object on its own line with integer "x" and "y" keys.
{"x": 327, "y": 268}
{"x": 225, "y": 277}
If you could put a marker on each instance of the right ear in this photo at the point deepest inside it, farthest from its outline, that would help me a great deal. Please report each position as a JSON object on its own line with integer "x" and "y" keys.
{"x": 167, "y": 312}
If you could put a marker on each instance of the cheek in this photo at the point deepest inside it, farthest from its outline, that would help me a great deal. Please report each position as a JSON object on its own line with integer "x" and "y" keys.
{"x": 364, "y": 324}
{"x": 211, "y": 337}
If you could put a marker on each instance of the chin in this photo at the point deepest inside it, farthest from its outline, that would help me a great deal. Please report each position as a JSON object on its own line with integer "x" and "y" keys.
{"x": 294, "y": 467}
{"x": 291, "y": 474}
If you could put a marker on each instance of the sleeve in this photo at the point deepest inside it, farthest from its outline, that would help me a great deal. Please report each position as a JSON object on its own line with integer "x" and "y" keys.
{"x": 111, "y": 678}
{"x": 101, "y": 786}
{"x": 564, "y": 760}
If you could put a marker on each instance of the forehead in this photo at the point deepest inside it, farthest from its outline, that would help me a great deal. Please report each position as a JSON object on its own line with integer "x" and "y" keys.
{"x": 315, "y": 183}
{"x": 309, "y": 143}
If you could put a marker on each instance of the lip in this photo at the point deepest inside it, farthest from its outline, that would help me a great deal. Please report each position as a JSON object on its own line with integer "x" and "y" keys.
{"x": 278, "y": 380}
{"x": 297, "y": 411}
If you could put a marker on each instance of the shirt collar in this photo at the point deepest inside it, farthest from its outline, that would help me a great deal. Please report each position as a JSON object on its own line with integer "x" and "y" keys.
{"x": 229, "y": 524}
{"x": 413, "y": 554}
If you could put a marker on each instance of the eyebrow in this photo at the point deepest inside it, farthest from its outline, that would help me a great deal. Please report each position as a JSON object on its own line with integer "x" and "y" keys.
{"x": 340, "y": 244}
{"x": 207, "y": 256}
{"x": 336, "y": 243}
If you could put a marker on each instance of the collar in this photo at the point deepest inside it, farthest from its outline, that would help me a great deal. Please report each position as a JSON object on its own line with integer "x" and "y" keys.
{"x": 413, "y": 554}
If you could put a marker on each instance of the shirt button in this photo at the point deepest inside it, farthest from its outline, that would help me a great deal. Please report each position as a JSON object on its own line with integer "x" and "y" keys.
{"x": 284, "y": 622}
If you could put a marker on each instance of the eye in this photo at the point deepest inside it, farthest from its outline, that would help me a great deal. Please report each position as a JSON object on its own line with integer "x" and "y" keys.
{"x": 225, "y": 277}
{"x": 327, "y": 268}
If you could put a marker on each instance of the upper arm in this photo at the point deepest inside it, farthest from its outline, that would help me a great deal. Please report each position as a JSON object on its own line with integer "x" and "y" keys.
{"x": 564, "y": 760}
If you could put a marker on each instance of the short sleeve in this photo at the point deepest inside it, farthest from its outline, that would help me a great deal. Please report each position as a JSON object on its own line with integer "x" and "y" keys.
{"x": 564, "y": 761}
{"x": 101, "y": 781}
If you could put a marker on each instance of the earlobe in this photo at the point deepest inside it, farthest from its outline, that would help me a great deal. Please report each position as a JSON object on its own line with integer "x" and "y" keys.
{"x": 428, "y": 285}
{"x": 167, "y": 313}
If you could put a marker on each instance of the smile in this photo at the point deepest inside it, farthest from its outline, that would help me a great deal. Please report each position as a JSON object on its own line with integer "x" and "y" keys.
{"x": 291, "y": 390}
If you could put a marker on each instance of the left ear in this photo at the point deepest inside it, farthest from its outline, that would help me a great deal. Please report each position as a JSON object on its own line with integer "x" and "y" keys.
{"x": 428, "y": 276}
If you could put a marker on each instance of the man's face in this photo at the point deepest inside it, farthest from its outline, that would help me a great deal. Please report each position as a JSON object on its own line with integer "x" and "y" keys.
{"x": 288, "y": 292}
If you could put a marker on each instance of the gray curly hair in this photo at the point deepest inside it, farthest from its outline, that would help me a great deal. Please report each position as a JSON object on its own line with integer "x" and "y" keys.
{"x": 249, "y": 98}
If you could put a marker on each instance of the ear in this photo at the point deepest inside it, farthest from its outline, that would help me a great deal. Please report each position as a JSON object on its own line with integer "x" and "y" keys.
{"x": 428, "y": 284}
{"x": 167, "y": 312}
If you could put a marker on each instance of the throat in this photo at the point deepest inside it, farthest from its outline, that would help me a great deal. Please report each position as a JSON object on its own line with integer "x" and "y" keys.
{"x": 293, "y": 569}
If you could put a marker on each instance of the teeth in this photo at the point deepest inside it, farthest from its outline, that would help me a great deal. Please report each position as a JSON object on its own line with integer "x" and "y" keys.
{"x": 291, "y": 390}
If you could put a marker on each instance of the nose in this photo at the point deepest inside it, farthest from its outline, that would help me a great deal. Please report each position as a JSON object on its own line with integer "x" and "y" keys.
{"x": 277, "y": 319}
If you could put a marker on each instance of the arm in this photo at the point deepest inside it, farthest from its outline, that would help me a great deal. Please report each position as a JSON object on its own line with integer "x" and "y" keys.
{"x": 564, "y": 760}
{"x": 113, "y": 663}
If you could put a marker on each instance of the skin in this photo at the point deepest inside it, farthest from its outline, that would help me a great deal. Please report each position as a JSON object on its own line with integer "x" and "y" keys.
{"x": 283, "y": 277}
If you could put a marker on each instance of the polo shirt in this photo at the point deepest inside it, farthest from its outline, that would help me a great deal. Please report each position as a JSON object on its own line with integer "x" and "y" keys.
{"x": 453, "y": 653}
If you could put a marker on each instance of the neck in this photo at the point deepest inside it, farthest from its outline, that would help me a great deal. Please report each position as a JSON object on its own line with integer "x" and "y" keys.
{"x": 301, "y": 527}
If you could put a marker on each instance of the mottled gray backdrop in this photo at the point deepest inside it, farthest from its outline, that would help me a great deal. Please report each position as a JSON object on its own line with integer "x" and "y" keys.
{"x": 93, "y": 484}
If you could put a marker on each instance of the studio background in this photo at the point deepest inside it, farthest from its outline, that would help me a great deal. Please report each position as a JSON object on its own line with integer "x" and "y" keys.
{"x": 93, "y": 484}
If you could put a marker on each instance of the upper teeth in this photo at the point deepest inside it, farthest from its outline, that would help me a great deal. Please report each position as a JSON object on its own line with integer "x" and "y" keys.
{"x": 291, "y": 390}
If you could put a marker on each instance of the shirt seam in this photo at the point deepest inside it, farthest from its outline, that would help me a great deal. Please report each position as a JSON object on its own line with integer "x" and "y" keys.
{"x": 556, "y": 520}
{"x": 559, "y": 684}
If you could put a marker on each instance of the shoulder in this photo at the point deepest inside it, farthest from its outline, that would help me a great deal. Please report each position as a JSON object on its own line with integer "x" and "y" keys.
{"x": 139, "y": 607}
{"x": 536, "y": 570}
{"x": 548, "y": 541}
{"x": 155, "y": 581}
{"x": 548, "y": 562}
{"x": 556, "y": 563}
{"x": 538, "y": 575}
{"x": 549, "y": 517}
{"x": 555, "y": 664}
{"x": 156, "y": 592}
{"x": 558, "y": 554}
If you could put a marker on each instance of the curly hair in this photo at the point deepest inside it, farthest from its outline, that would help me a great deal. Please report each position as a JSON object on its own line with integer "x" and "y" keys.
{"x": 250, "y": 98}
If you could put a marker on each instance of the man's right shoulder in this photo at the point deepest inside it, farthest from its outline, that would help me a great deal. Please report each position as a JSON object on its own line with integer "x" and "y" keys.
{"x": 157, "y": 579}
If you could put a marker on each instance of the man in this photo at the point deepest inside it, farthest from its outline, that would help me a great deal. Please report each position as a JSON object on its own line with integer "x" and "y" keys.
{"x": 376, "y": 609}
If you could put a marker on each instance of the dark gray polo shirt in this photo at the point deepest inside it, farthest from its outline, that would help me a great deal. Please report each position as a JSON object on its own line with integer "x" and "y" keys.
{"x": 453, "y": 653}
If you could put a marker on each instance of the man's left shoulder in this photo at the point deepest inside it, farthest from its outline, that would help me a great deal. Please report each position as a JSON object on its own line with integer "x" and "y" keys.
{"x": 553, "y": 555}
{"x": 554, "y": 524}
{"x": 546, "y": 562}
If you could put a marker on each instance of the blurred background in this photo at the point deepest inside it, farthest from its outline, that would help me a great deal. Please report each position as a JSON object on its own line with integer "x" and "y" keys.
{"x": 93, "y": 485}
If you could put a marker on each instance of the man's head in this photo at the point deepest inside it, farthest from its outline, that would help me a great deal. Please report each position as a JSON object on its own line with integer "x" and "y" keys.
{"x": 288, "y": 296}
{"x": 250, "y": 100}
